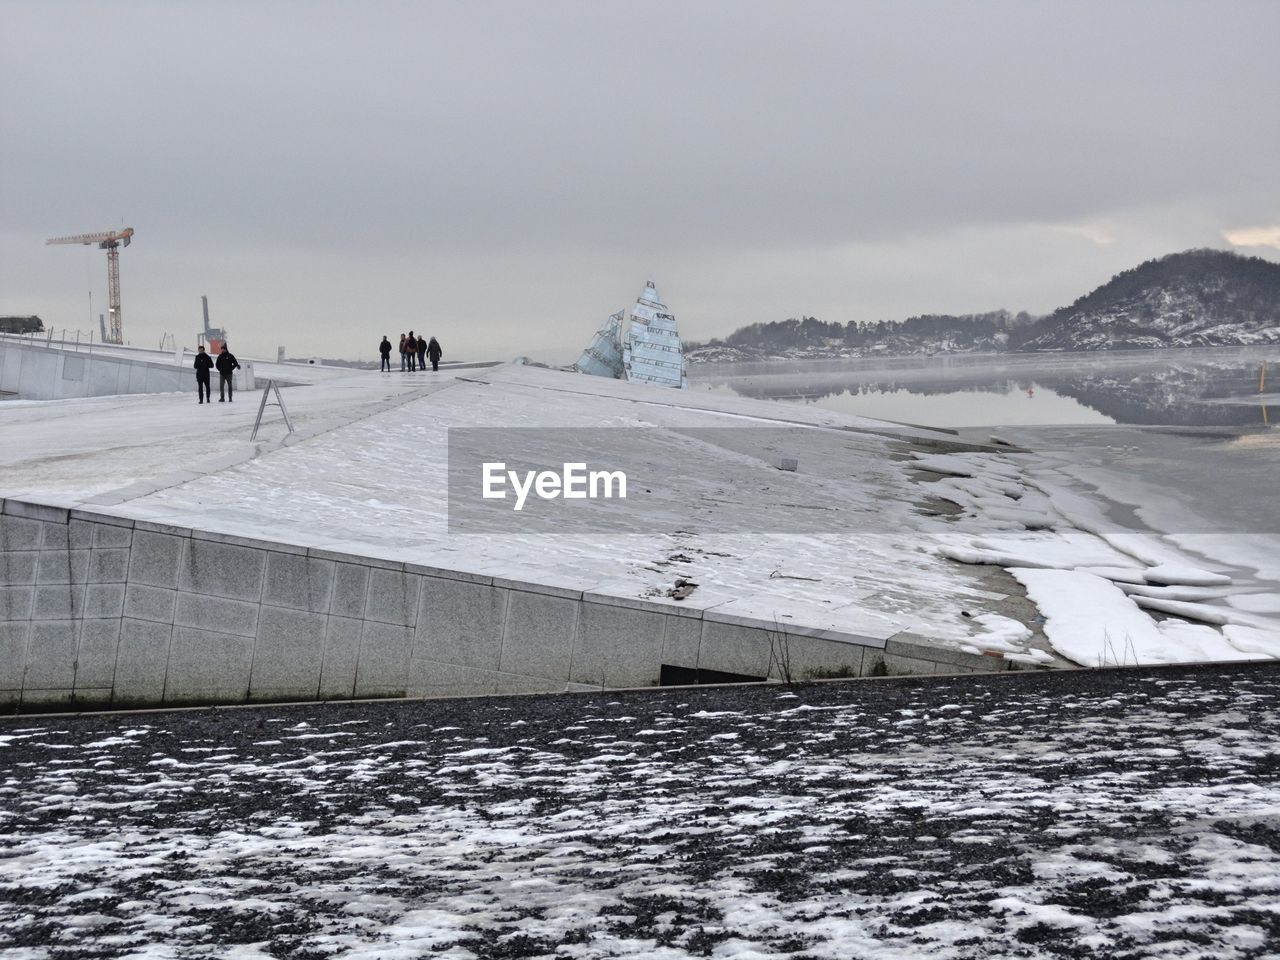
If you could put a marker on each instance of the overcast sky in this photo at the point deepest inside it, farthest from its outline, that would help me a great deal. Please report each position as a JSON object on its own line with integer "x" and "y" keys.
{"x": 505, "y": 175}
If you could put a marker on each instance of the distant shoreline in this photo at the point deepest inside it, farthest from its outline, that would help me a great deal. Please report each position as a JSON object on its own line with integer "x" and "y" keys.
{"x": 710, "y": 355}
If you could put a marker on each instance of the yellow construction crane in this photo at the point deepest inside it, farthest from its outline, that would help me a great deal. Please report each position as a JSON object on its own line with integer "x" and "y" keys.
{"x": 110, "y": 241}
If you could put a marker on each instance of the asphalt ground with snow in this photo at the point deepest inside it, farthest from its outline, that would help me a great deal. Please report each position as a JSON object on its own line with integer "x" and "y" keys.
{"x": 1119, "y": 813}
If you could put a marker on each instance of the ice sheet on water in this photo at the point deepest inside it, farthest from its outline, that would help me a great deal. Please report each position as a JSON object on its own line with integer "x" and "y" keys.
{"x": 1200, "y": 642}
{"x": 1258, "y": 641}
{"x": 1255, "y": 602}
{"x": 1093, "y": 622}
{"x": 1174, "y": 592}
{"x": 1202, "y": 612}
{"x": 1117, "y": 574}
{"x": 1177, "y": 574}
{"x": 980, "y": 556}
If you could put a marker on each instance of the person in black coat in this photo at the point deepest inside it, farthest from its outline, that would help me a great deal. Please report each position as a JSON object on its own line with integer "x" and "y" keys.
{"x": 384, "y": 348}
{"x": 422, "y": 353}
{"x": 226, "y": 363}
{"x": 434, "y": 352}
{"x": 204, "y": 363}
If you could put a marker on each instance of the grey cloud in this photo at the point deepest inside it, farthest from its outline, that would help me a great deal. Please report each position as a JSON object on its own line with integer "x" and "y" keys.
{"x": 393, "y": 142}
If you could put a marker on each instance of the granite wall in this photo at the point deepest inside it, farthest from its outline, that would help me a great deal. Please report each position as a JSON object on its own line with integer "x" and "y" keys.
{"x": 98, "y": 610}
{"x": 34, "y": 370}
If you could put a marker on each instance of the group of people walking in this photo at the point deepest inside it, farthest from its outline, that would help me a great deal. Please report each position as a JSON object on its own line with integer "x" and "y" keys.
{"x": 225, "y": 363}
{"x": 414, "y": 353}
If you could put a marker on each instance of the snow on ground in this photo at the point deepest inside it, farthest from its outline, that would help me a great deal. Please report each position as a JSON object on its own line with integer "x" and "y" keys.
{"x": 847, "y": 541}
{"x": 1121, "y": 814}
{"x": 64, "y": 452}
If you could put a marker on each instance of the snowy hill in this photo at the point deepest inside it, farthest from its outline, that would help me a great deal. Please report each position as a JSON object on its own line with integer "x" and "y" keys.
{"x": 1199, "y": 298}
{"x": 809, "y": 337}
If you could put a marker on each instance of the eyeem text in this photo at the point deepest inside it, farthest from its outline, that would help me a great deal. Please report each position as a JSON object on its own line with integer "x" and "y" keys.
{"x": 574, "y": 482}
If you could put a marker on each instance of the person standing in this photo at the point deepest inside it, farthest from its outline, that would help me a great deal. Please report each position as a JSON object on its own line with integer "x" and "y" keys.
{"x": 204, "y": 363}
{"x": 411, "y": 348}
{"x": 404, "y": 361}
{"x": 434, "y": 352}
{"x": 384, "y": 348}
{"x": 422, "y": 353}
{"x": 226, "y": 363}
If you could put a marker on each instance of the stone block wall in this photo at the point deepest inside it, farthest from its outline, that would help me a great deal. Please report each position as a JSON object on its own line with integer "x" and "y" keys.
{"x": 35, "y": 370}
{"x": 98, "y": 610}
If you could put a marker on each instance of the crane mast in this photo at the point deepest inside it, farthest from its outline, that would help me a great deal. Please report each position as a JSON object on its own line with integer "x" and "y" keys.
{"x": 110, "y": 241}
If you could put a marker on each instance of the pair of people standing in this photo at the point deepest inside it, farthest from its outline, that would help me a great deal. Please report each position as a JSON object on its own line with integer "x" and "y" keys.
{"x": 225, "y": 363}
{"x": 408, "y": 352}
{"x": 414, "y": 352}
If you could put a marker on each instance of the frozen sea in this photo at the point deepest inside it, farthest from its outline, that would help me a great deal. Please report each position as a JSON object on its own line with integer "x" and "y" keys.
{"x": 1182, "y": 442}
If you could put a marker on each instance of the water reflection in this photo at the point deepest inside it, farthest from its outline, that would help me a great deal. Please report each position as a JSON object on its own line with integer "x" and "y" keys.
{"x": 1215, "y": 387}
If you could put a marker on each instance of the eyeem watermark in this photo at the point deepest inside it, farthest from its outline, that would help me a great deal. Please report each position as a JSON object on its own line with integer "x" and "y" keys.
{"x": 574, "y": 482}
{"x": 663, "y": 481}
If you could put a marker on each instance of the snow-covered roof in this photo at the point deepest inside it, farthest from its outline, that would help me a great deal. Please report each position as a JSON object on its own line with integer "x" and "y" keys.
{"x": 847, "y": 541}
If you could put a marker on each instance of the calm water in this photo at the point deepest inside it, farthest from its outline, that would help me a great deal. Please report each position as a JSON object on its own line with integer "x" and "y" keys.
{"x": 1181, "y": 438}
{"x": 1216, "y": 387}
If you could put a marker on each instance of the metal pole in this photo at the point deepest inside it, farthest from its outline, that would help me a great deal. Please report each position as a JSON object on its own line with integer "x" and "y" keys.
{"x": 280, "y": 400}
{"x": 262, "y": 405}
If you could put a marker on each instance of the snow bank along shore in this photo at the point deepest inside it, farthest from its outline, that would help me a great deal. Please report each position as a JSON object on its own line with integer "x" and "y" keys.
{"x": 1109, "y": 595}
{"x": 852, "y": 541}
